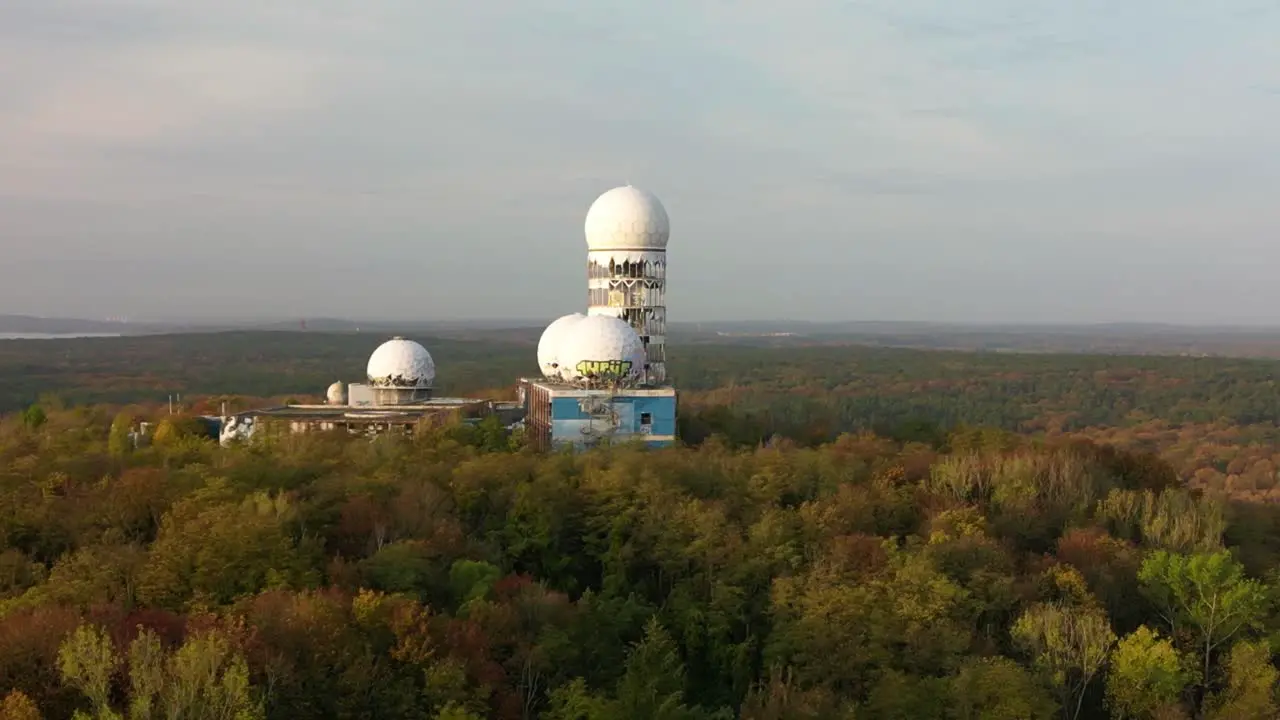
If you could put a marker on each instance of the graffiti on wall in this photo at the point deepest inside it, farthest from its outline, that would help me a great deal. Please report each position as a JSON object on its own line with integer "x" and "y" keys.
{"x": 600, "y": 369}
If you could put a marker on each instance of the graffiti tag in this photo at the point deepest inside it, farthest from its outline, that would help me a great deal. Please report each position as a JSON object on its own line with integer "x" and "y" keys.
{"x": 603, "y": 368}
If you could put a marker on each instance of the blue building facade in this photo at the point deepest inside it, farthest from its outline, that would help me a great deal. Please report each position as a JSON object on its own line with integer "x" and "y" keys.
{"x": 559, "y": 415}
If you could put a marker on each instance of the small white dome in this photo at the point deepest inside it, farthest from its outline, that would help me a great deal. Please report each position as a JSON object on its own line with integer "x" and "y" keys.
{"x": 601, "y": 347}
{"x": 336, "y": 394}
{"x": 400, "y": 363}
{"x": 627, "y": 218}
{"x": 551, "y": 341}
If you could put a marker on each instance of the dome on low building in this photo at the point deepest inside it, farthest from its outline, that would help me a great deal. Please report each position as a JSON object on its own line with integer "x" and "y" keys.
{"x": 336, "y": 394}
{"x": 401, "y": 364}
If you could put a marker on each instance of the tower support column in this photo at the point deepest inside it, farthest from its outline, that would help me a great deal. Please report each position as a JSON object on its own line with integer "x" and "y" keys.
{"x": 632, "y": 285}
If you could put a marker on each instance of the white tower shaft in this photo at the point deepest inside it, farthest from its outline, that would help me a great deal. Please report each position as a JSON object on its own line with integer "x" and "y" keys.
{"x": 632, "y": 285}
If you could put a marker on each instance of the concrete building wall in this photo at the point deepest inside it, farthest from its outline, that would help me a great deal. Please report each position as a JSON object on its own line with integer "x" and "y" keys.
{"x": 586, "y": 417}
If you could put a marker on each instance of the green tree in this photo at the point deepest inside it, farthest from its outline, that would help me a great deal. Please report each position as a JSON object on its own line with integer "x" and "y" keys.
{"x": 841, "y": 631}
{"x": 1147, "y": 676}
{"x": 167, "y": 432}
{"x": 456, "y": 712}
{"x": 653, "y": 685}
{"x": 95, "y": 574}
{"x": 34, "y": 417}
{"x": 472, "y": 580}
{"x": 574, "y": 701}
{"x": 1069, "y": 645}
{"x": 1250, "y": 693}
{"x": 118, "y": 442}
{"x": 899, "y": 696}
{"x": 87, "y": 660}
{"x": 1206, "y": 594}
{"x": 400, "y": 567}
{"x": 174, "y": 429}
{"x": 998, "y": 689}
{"x": 205, "y": 679}
{"x": 216, "y": 552}
{"x": 329, "y": 655}
{"x": 17, "y": 573}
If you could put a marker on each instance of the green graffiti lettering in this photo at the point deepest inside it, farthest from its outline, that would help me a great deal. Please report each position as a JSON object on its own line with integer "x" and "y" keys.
{"x": 603, "y": 368}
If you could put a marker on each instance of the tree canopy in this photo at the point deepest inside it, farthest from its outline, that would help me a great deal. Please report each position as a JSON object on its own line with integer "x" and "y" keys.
{"x": 450, "y": 576}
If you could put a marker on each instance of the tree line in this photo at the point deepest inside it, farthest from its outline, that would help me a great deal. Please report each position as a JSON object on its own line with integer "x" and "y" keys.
{"x": 845, "y": 387}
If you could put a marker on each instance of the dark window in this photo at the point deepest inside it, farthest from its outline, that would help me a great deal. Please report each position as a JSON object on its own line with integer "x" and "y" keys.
{"x": 646, "y": 419}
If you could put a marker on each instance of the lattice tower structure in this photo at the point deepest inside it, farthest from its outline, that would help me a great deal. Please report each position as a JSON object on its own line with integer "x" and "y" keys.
{"x": 627, "y": 231}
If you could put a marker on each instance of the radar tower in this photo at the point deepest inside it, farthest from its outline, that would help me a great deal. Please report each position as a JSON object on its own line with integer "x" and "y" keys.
{"x": 627, "y": 231}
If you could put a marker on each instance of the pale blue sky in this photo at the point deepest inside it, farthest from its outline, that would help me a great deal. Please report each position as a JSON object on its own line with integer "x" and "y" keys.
{"x": 988, "y": 160}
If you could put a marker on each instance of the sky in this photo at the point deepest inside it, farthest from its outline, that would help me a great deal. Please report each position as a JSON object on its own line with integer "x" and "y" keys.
{"x": 983, "y": 161}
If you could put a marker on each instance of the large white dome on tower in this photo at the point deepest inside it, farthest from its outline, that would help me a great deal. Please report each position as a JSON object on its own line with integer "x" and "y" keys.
{"x": 602, "y": 348}
{"x": 627, "y": 218}
{"x": 400, "y": 363}
{"x": 552, "y": 340}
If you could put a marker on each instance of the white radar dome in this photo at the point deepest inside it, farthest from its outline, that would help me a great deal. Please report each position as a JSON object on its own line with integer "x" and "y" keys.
{"x": 601, "y": 348}
{"x": 551, "y": 341}
{"x": 400, "y": 363}
{"x": 336, "y": 394}
{"x": 627, "y": 218}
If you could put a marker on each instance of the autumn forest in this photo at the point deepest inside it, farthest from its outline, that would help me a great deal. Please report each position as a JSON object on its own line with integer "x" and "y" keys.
{"x": 845, "y": 532}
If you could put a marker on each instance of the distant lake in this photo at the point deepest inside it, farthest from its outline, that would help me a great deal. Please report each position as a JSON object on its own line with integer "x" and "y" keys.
{"x": 53, "y": 336}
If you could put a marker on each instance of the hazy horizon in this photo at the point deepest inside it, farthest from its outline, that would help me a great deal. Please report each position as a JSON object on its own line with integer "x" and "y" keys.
{"x": 1001, "y": 162}
{"x": 381, "y": 324}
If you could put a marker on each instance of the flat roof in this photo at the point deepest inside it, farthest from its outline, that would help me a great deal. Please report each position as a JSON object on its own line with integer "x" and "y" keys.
{"x": 430, "y": 403}
{"x": 562, "y": 388}
{"x": 364, "y": 412}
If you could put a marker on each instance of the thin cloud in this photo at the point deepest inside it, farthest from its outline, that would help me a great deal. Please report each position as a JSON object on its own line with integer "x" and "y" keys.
{"x": 321, "y": 142}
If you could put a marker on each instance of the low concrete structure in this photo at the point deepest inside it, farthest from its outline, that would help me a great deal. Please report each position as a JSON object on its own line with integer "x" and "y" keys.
{"x": 364, "y": 419}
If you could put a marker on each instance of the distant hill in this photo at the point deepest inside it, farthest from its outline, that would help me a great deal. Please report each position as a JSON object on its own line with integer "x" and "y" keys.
{"x": 19, "y": 324}
{"x": 1110, "y": 338}
{"x": 376, "y": 326}
{"x": 1103, "y": 338}
{"x": 59, "y": 326}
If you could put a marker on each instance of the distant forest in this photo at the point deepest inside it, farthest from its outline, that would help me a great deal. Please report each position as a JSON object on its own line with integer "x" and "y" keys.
{"x": 1214, "y": 418}
{"x": 849, "y": 385}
